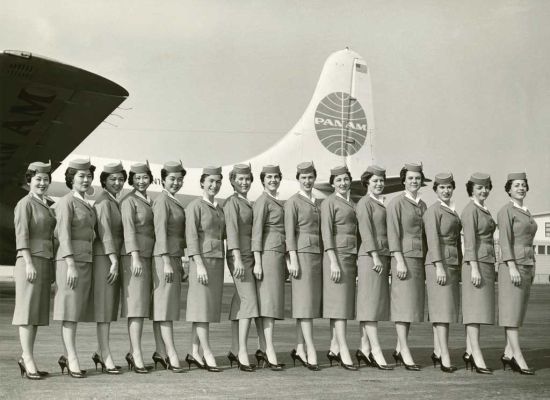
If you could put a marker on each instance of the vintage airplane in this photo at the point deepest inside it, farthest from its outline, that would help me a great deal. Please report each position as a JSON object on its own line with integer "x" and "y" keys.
{"x": 48, "y": 108}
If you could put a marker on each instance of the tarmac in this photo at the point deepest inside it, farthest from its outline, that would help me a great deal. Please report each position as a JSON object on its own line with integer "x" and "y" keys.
{"x": 294, "y": 382}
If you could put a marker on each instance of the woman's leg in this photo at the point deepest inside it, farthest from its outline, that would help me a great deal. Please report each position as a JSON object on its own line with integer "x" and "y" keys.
{"x": 371, "y": 328}
{"x": 334, "y": 345}
{"x": 243, "y": 328}
{"x": 512, "y": 335}
{"x": 68, "y": 330}
{"x": 103, "y": 330}
{"x": 365, "y": 343}
{"x": 473, "y": 336}
{"x": 167, "y": 333}
{"x": 258, "y": 321}
{"x": 203, "y": 334}
{"x": 306, "y": 328}
{"x": 300, "y": 345}
{"x": 442, "y": 339}
{"x": 26, "y": 337}
{"x": 340, "y": 329}
{"x": 268, "y": 324}
{"x": 235, "y": 335}
{"x": 135, "y": 328}
{"x": 402, "y": 329}
{"x": 437, "y": 349}
{"x": 160, "y": 345}
{"x": 195, "y": 343}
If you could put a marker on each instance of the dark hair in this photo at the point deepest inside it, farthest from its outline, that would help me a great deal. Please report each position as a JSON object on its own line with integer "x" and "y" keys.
{"x": 203, "y": 177}
{"x": 436, "y": 184}
{"x": 233, "y": 176}
{"x": 470, "y": 187}
{"x": 331, "y": 179}
{"x": 71, "y": 172}
{"x": 104, "y": 175}
{"x": 132, "y": 174}
{"x": 300, "y": 173}
{"x": 508, "y": 185}
{"x": 403, "y": 175}
{"x": 263, "y": 174}
{"x": 164, "y": 174}
{"x": 30, "y": 173}
{"x": 365, "y": 178}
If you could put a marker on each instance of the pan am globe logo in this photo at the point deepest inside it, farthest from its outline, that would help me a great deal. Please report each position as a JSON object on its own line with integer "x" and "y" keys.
{"x": 341, "y": 124}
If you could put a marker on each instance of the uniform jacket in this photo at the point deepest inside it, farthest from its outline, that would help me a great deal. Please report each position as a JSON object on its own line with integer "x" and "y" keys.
{"x": 238, "y": 224}
{"x": 478, "y": 226}
{"x": 406, "y": 227}
{"x": 371, "y": 218}
{"x": 339, "y": 225}
{"x": 34, "y": 226}
{"x": 517, "y": 230}
{"x": 75, "y": 228}
{"x": 443, "y": 228}
{"x": 268, "y": 227}
{"x": 302, "y": 225}
{"x": 109, "y": 234}
{"x": 204, "y": 229}
{"x": 169, "y": 221}
{"x": 138, "y": 225}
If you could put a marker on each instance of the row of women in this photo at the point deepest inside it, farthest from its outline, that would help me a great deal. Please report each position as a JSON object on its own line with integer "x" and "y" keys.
{"x": 339, "y": 255}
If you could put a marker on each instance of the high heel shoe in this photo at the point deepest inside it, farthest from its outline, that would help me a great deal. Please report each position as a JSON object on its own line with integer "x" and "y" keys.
{"x": 64, "y": 363}
{"x": 175, "y": 370}
{"x": 375, "y": 364}
{"x": 74, "y": 374}
{"x": 523, "y": 371}
{"x": 132, "y": 365}
{"x": 479, "y": 370}
{"x": 505, "y": 361}
{"x": 157, "y": 358}
{"x": 189, "y": 359}
{"x": 296, "y": 356}
{"x": 360, "y": 356}
{"x": 450, "y": 369}
{"x": 232, "y": 358}
{"x": 408, "y": 367}
{"x": 245, "y": 368}
{"x": 260, "y": 357}
{"x": 97, "y": 360}
{"x": 396, "y": 357}
{"x": 349, "y": 367}
{"x": 273, "y": 367}
{"x": 467, "y": 359}
{"x": 30, "y": 375}
{"x": 435, "y": 359}
{"x": 210, "y": 368}
{"x": 333, "y": 357}
{"x": 313, "y": 367}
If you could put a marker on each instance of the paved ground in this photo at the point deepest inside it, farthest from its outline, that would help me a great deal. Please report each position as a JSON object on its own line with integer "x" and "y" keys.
{"x": 293, "y": 382}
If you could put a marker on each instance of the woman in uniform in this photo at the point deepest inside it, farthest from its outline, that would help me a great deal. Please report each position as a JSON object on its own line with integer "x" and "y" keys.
{"x": 517, "y": 230}
{"x": 339, "y": 232}
{"x": 407, "y": 245}
{"x": 373, "y": 268}
{"x": 107, "y": 245}
{"x": 205, "y": 232}
{"x": 443, "y": 227}
{"x": 268, "y": 245}
{"x": 240, "y": 260}
{"x": 478, "y": 271}
{"x": 169, "y": 221}
{"x": 139, "y": 239}
{"x": 34, "y": 225}
{"x": 303, "y": 242}
{"x": 73, "y": 301}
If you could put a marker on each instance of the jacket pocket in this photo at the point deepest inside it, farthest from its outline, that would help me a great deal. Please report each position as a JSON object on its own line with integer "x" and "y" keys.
{"x": 273, "y": 242}
{"x": 304, "y": 242}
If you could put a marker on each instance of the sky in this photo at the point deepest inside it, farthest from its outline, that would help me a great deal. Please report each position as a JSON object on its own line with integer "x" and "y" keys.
{"x": 462, "y": 86}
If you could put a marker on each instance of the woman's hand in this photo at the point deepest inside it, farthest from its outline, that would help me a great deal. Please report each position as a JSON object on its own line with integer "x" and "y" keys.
{"x": 378, "y": 266}
{"x": 136, "y": 267}
{"x": 202, "y": 274}
{"x": 515, "y": 276}
{"x": 335, "y": 272}
{"x": 31, "y": 272}
{"x": 238, "y": 271}
{"x": 401, "y": 269}
{"x": 72, "y": 276}
{"x": 258, "y": 271}
{"x": 113, "y": 272}
{"x": 294, "y": 269}
{"x": 475, "y": 276}
{"x": 168, "y": 272}
{"x": 440, "y": 274}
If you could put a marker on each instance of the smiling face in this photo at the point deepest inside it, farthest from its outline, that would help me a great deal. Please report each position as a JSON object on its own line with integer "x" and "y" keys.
{"x": 82, "y": 181}
{"x": 445, "y": 192}
{"x": 307, "y": 181}
{"x": 242, "y": 183}
{"x": 173, "y": 182}
{"x": 141, "y": 182}
{"x": 342, "y": 184}
{"x": 376, "y": 185}
{"x": 39, "y": 183}
{"x": 413, "y": 181}
{"x": 272, "y": 182}
{"x": 211, "y": 185}
{"x": 480, "y": 193}
{"x": 114, "y": 183}
{"x": 518, "y": 189}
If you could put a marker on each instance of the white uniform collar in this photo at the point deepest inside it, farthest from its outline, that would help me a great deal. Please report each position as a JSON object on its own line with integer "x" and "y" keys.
{"x": 520, "y": 207}
{"x": 451, "y": 205}
{"x": 409, "y": 196}
{"x": 42, "y": 200}
{"x": 479, "y": 205}
{"x": 111, "y": 195}
{"x": 312, "y": 198}
{"x": 242, "y": 197}
{"x": 146, "y": 198}
{"x": 380, "y": 199}
{"x": 78, "y": 196}
{"x": 276, "y": 197}
{"x": 342, "y": 197}
{"x": 172, "y": 196}
{"x": 215, "y": 203}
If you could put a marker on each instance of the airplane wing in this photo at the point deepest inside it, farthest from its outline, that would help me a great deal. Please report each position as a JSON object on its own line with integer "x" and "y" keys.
{"x": 47, "y": 108}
